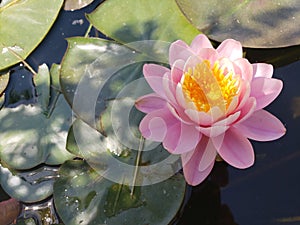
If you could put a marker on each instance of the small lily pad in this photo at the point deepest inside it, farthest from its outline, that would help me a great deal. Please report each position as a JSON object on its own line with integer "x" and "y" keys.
{"x": 76, "y": 4}
{"x": 28, "y": 186}
{"x": 82, "y": 196}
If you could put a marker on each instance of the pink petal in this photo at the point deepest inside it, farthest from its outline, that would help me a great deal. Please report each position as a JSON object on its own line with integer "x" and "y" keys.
{"x": 200, "y": 42}
{"x": 236, "y": 150}
{"x": 265, "y": 90}
{"x": 213, "y": 131}
{"x": 262, "y": 70}
{"x": 181, "y": 138}
{"x": 177, "y": 71}
{"x": 209, "y": 156}
{"x": 169, "y": 89}
{"x": 190, "y": 162}
{"x": 245, "y": 68}
{"x": 203, "y": 118}
{"x": 150, "y": 102}
{"x": 231, "y": 49}
{"x": 261, "y": 126}
{"x": 208, "y": 54}
{"x": 191, "y": 62}
{"x": 154, "y": 74}
{"x": 154, "y": 125}
{"x": 179, "y": 50}
{"x": 247, "y": 110}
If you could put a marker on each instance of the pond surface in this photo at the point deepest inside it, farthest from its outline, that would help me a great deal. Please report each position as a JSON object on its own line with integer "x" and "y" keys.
{"x": 266, "y": 193}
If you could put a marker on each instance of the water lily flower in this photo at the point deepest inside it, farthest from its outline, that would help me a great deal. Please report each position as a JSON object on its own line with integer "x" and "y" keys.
{"x": 210, "y": 103}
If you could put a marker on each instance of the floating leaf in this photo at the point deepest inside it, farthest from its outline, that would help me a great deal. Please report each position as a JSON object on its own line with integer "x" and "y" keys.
{"x": 94, "y": 71}
{"x": 34, "y": 134}
{"x": 142, "y": 20}
{"x": 28, "y": 186}
{"x": 256, "y": 23}
{"x": 76, "y": 4}
{"x": 4, "y": 78}
{"x": 23, "y": 25}
{"x": 82, "y": 196}
{"x": 115, "y": 158}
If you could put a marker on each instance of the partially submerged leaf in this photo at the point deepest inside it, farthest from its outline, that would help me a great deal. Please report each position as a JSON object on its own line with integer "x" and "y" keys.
{"x": 82, "y": 196}
{"x": 23, "y": 25}
{"x": 142, "y": 20}
{"x": 32, "y": 135}
{"x": 28, "y": 186}
{"x": 256, "y": 23}
{"x": 76, "y": 4}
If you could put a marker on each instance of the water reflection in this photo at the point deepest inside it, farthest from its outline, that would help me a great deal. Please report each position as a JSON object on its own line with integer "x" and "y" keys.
{"x": 205, "y": 206}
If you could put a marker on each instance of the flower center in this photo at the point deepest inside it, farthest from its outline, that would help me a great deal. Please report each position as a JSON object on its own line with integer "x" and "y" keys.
{"x": 207, "y": 87}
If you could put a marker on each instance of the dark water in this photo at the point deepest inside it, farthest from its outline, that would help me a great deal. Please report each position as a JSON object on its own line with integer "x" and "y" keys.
{"x": 268, "y": 193}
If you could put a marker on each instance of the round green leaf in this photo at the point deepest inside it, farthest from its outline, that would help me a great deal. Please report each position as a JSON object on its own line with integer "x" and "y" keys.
{"x": 28, "y": 186}
{"x": 82, "y": 196}
{"x": 94, "y": 71}
{"x": 142, "y": 20}
{"x": 23, "y": 25}
{"x": 256, "y": 23}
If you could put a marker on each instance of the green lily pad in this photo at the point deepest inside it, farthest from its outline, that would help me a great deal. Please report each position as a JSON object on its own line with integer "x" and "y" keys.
{"x": 28, "y": 186}
{"x": 23, "y": 25}
{"x": 256, "y": 24}
{"x": 142, "y": 20}
{"x": 94, "y": 71}
{"x": 34, "y": 134}
{"x": 118, "y": 159}
{"x": 76, "y": 4}
{"x": 82, "y": 196}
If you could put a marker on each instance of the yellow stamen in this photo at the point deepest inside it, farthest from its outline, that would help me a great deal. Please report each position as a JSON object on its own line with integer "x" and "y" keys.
{"x": 207, "y": 87}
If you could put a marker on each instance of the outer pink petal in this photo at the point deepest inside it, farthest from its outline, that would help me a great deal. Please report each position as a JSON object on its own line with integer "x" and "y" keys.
{"x": 181, "y": 138}
{"x": 262, "y": 126}
{"x": 237, "y": 150}
{"x": 179, "y": 50}
{"x": 245, "y": 68}
{"x": 209, "y": 156}
{"x": 154, "y": 75}
{"x": 154, "y": 125}
{"x": 200, "y": 42}
{"x": 265, "y": 90}
{"x": 262, "y": 70}
{"x": 209, "y": 54}
{"x": 231, "y": 49}
{"x": 190, "y": 162}
{"x": 149, "y": 103}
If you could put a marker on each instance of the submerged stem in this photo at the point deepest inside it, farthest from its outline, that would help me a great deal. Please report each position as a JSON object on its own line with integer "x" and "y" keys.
{"x": 137, "y": 163}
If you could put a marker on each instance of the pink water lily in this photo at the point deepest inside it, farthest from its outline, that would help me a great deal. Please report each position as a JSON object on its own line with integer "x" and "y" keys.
{"x": 209, "y": 103}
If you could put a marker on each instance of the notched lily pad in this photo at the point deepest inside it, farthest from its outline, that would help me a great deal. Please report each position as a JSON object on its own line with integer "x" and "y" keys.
{"x": 28, "y": 186}
{"x": 82, "y": 196}
{"x": 142, "y": 20}
{"x": 23, "y": 25}
{"x": 256, "y": 24}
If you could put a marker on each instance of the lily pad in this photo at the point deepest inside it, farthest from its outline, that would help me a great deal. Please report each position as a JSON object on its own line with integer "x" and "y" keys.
{"x": 23, "y": 25}
{"x": 82, "y": 196}
{"x": 76, "y": 4}
{"x": 118, "y": 160}
{"x": 4, "y": 78}
{"x": 34, "y": 134}
{"x": 28, "y": 186}
{"x": 142, "y": 20}
{"x": 256, "y": 23}
{"x": 94, "y": 71}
